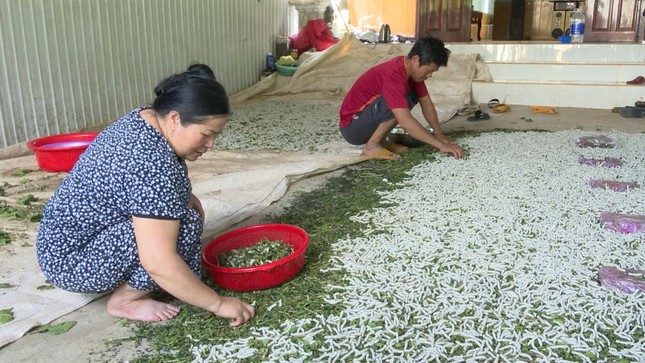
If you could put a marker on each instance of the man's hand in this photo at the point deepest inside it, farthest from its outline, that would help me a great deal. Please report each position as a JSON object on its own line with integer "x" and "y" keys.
{"x": 453, "y": 149}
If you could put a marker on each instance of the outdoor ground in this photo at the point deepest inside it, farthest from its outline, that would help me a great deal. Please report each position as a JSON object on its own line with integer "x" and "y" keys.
{"x": 87, "y": 340}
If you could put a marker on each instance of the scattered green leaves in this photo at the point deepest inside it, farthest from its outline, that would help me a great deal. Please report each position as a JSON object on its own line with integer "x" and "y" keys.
{"x": 4, "y": 238}
{"x": 45, "y": 286}
{"x": 6, "y": 285}
{"x": 323, "y": 213}
{"x": 7, "y": 211}
{"x": 27, "y": 199}
{"x": 6, "y": 315}
{"x": 55, "y": 329}
{"x": 35, "y": 218}
{"x": 21, "y": 172}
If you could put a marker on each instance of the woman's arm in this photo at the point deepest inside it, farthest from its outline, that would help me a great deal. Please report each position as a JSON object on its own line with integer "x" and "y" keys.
{"x": 157, "y": 246}
{"x": 196, "y": 204}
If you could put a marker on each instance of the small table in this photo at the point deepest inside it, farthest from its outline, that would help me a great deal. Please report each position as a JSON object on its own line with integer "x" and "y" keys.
{"x": 476, "y": 18}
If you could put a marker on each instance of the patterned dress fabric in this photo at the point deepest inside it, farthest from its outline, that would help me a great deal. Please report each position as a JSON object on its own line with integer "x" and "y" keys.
{"x": 86, "y": 239}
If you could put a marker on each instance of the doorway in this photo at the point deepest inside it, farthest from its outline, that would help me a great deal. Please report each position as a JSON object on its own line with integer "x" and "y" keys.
{"x": 493, "y": 20}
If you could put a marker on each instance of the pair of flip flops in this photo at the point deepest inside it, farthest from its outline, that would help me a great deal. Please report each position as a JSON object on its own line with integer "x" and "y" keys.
{"x": 479, "y": 116}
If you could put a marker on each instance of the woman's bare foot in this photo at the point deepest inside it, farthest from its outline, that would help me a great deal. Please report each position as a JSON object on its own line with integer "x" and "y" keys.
{"x": 133, "y": 304}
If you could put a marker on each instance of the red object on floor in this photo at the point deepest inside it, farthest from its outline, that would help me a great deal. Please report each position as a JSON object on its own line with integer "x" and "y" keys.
{"x": 315, "y": 34}
{"x": 256, "y": 277}
{"x": 60, "y": 152}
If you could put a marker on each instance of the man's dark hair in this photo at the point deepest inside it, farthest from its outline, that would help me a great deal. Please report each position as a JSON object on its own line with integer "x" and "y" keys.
{"x": 430, "y": 50}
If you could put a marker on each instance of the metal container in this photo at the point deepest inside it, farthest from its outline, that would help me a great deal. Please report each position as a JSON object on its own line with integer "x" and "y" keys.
{"x": 400, "y": 136}
{"x": 281, "y": 46}
{"x": 384, "y": 34}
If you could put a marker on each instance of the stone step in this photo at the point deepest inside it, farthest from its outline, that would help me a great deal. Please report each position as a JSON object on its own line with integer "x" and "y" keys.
{"x": 566, "y": 72}
{"x": 522, "y": 52}
{"x": 559, "y": 94}
{"x": 559, "y": 75}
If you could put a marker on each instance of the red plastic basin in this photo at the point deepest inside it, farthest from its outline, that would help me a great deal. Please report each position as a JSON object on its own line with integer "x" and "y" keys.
{"x": 256, "y": 277}
{"x": 60, "y": 152}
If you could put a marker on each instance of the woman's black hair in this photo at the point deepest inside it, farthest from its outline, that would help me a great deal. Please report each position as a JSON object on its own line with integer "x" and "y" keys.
{"x": 430, "y": 50}
{"x": 194, "y": 94}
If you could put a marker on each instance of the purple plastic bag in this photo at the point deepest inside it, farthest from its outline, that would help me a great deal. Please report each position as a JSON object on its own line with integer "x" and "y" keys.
{"x": 615, "y": 185}
{"x": 606, "y": 162}
{"x": 627, "y": 280}
{"x": 596, "y": 141}
{"x": 623, "y": 223}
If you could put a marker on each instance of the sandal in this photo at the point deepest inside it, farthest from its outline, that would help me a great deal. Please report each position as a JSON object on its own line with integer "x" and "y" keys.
{"x": 479, "y": 116}
{"x": 492, "y": 103}
{"x": 500, "y": 108}
{"x": 632, "y": 112}
{"x": 381, "y": 154}
{"x": 543, "y": 109}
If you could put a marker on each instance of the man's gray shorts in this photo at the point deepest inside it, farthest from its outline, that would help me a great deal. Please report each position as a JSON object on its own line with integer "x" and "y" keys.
{"x": 365, "y": 122}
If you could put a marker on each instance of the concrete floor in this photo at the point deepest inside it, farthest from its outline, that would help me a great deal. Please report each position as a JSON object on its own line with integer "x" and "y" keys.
{"x": 86, "y": 341}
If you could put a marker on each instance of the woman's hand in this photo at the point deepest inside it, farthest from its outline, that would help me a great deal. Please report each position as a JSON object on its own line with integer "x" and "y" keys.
{"x": 157, "y": 246}
{"x": 195, "y": 204}
{"x": 233, "y": 308}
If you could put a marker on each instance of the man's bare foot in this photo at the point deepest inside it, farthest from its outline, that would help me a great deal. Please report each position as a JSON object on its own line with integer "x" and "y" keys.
{"x": 380, "y": 154}
{"x": 132, "y": 304}
{"x": 395, "y": 148}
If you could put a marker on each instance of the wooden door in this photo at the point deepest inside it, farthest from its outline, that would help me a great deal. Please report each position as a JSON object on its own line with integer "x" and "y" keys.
{"x": 448, "y": 20}
{"x": 613, "y": 20}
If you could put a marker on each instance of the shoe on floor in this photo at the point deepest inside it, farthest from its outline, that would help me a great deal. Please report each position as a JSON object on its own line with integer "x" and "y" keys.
{"x": 479, "y": 116}
{"x": 632, "y": 112}
{"x": 543, "y": 109}
{"x": 492, "y": 103}
{"x": 637, "y": 80}
{"x": 500, "y": 108}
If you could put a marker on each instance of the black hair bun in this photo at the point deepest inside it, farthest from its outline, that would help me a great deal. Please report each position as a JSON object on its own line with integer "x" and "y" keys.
{"x": 201, "y": 70}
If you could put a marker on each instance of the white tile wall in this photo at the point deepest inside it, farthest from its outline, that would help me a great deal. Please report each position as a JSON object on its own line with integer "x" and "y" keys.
{"x": 560, "y": 75}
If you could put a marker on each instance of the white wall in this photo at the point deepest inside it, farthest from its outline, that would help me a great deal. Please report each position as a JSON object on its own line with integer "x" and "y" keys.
{"x": 69, "y": 64}
{"x": 485, "y": 6}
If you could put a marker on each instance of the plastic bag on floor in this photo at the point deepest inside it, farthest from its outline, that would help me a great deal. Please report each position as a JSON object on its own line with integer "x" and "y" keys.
{"x": 626, "y": 280}
{"x": 596, "y": 141}
{"x": 615, "y": 185}
{"x": 606, "y": 162}
{"x": 623, "y": 223}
